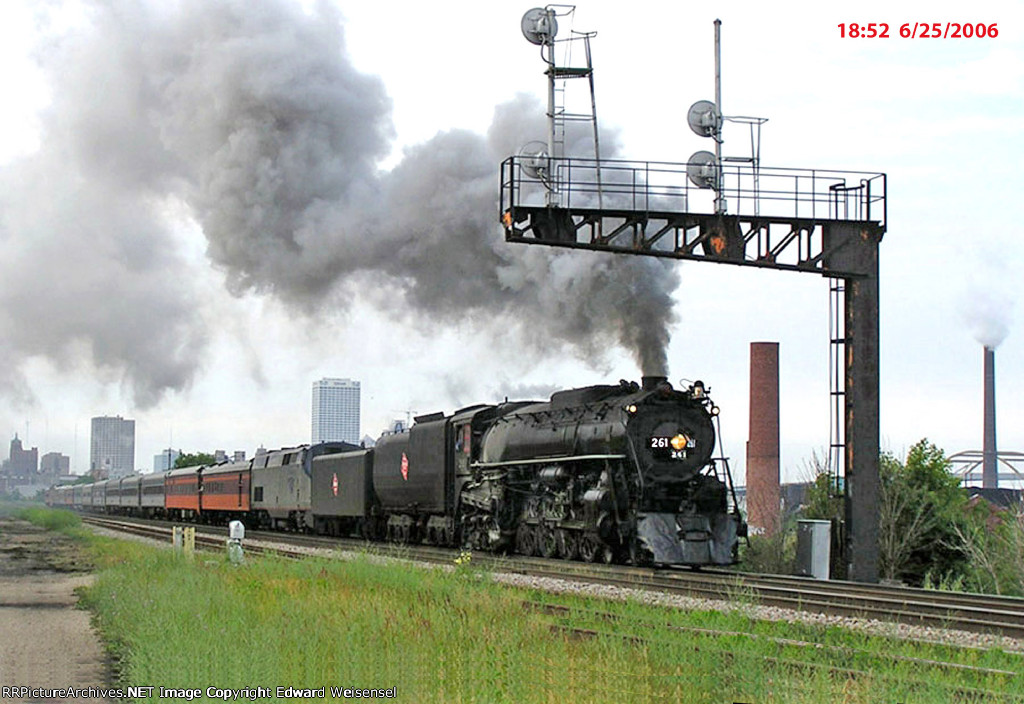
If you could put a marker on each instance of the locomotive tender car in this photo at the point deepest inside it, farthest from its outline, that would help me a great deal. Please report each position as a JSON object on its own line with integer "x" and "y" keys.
{"x": 615, "y": 473}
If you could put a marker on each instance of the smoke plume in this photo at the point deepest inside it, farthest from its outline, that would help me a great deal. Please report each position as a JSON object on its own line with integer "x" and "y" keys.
{"x": 250, "y": 117}
{"x": 990, "y": 319}
{"x": 988, "y": 304}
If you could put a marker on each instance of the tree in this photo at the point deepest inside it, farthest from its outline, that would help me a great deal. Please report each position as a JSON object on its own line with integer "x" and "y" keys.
{"x": 194, "y": 459}
{"x": 921, "y": 509}
{"x": 994, "y": 542}
{"x": 821, "y": 501}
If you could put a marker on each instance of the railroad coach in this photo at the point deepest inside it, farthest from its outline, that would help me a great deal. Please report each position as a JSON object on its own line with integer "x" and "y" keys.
{"x": 224, "y": 491}
{"x": 112, "y": 496}
{"x": 131, "y": 495}
{"x": 60, "y": 496}
{"x": 181, "y": 491}
{"x": 151, "y": 494}
{"x": 88, "y": 491}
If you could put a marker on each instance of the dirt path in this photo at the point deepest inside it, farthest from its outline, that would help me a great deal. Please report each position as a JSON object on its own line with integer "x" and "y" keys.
{"x": 45, "y": 642}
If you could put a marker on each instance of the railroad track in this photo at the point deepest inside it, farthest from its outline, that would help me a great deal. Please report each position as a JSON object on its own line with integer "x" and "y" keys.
{"x": 975, "y": 613}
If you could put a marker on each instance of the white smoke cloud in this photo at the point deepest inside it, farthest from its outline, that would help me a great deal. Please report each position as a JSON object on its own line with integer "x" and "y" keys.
{"x": 988, "y": 313}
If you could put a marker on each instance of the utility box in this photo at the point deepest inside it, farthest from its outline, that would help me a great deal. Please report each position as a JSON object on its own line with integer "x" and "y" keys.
{"x": 813, "y": 548}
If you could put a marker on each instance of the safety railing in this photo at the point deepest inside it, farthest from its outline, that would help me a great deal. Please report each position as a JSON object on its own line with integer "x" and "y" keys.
{"x": 652, "y": 186}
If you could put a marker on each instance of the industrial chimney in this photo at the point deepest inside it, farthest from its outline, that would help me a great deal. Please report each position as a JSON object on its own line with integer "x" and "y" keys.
{"x": 763, "y": 443}
{"x": 989, "y": 467}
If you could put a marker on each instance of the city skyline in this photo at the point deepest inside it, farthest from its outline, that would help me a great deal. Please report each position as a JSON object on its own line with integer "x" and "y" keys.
{"x": 374, "y": 245}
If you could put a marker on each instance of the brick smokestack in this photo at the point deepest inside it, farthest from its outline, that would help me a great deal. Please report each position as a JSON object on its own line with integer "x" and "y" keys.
{"x": 989, "y": 467}
{"x": 763, "y": 442}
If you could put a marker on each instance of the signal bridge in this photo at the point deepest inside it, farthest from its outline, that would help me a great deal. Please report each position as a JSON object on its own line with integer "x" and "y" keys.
{"x": 728, "y": 210}
{"x": 795, "y": 219}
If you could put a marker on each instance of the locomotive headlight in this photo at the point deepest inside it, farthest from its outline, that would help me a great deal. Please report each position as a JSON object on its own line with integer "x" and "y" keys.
{"x": 631, "y": 409}
{"x": 714, "y": 410}
{"x": 679, "y": 442}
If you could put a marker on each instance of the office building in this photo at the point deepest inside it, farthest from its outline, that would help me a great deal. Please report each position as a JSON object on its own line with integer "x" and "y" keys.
{"x": 22, "y": 464}
{"x": 112, "y": 447}
{"x": 335, "y": 411}
{"x": 55, "y": 464}
{"x": 165, "y": 460}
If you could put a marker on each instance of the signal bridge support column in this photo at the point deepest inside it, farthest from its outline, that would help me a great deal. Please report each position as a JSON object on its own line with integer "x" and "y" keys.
{"x": 863, "y": 402}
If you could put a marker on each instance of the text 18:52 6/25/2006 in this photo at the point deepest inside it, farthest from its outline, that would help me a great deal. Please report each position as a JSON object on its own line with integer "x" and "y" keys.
{"x": 921, "y": 30}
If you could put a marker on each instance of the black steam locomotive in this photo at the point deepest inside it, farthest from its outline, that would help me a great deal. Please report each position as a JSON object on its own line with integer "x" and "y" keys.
{"x": 618, "y": 473}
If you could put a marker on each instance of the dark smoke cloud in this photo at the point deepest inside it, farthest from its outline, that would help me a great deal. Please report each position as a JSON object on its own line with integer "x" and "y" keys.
{"x": 251, "y": 116}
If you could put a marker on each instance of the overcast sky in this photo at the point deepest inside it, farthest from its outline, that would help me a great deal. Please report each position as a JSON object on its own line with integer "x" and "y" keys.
{"x": 206, "y": 206}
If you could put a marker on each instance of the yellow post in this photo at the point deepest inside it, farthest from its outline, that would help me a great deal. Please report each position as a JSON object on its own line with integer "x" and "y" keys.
{"x": 190, "y": 541}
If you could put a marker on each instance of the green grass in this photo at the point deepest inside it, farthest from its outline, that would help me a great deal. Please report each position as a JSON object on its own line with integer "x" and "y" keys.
{"x": 11, "y": 506}
{"x": 456, "y": 637}
{"x": 58, "y": 520}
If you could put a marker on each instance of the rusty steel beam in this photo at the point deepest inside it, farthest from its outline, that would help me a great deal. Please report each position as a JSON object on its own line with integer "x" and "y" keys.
{"x": 858, "y": 251}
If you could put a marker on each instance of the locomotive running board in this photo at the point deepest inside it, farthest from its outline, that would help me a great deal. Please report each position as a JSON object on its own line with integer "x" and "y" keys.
{"x": 547, "y": 460}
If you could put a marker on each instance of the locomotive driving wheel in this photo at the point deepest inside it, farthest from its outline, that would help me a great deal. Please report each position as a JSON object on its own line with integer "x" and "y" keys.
{"x": 640, "y": 555}
{"x": 547, "y": 543}
{"x": 591, "y": 549}
{"x": 526, "y": 540}
{"x": 568, "y": 544}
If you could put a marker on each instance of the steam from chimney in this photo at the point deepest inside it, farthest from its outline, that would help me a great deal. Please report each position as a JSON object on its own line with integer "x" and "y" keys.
{"x": 249, "y": 119}
{"x": 988, "y": 309}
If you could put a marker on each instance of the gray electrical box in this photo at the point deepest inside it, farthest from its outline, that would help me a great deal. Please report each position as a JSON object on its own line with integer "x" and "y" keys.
{"x": 813, "y": 548}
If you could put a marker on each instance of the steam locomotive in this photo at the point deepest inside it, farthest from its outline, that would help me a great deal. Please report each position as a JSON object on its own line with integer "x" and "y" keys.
{"x": 614, "y": 473}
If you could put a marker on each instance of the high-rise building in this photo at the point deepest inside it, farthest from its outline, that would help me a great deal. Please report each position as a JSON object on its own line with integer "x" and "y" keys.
{"x": 112, "y": 446}
{"x": 55, "y": 464}
{"x": 165, "y": 460}
{"x": 23, "y": 463}
{"x": 336, "y": 411}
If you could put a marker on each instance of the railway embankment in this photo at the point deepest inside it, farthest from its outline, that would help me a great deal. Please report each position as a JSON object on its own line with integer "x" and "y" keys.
{"x": 319, "y": 627}
{"x": 46, "y": 642}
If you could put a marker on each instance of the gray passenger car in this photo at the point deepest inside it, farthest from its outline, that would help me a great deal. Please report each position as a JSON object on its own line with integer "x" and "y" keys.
{"x": 151, "y": 497}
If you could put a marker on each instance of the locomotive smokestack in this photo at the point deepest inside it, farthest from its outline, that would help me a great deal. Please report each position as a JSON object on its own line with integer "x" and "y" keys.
{"x": 650, "y": 383}
{"x": 989, "y": 468}
{"x": 763, "y": 442}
